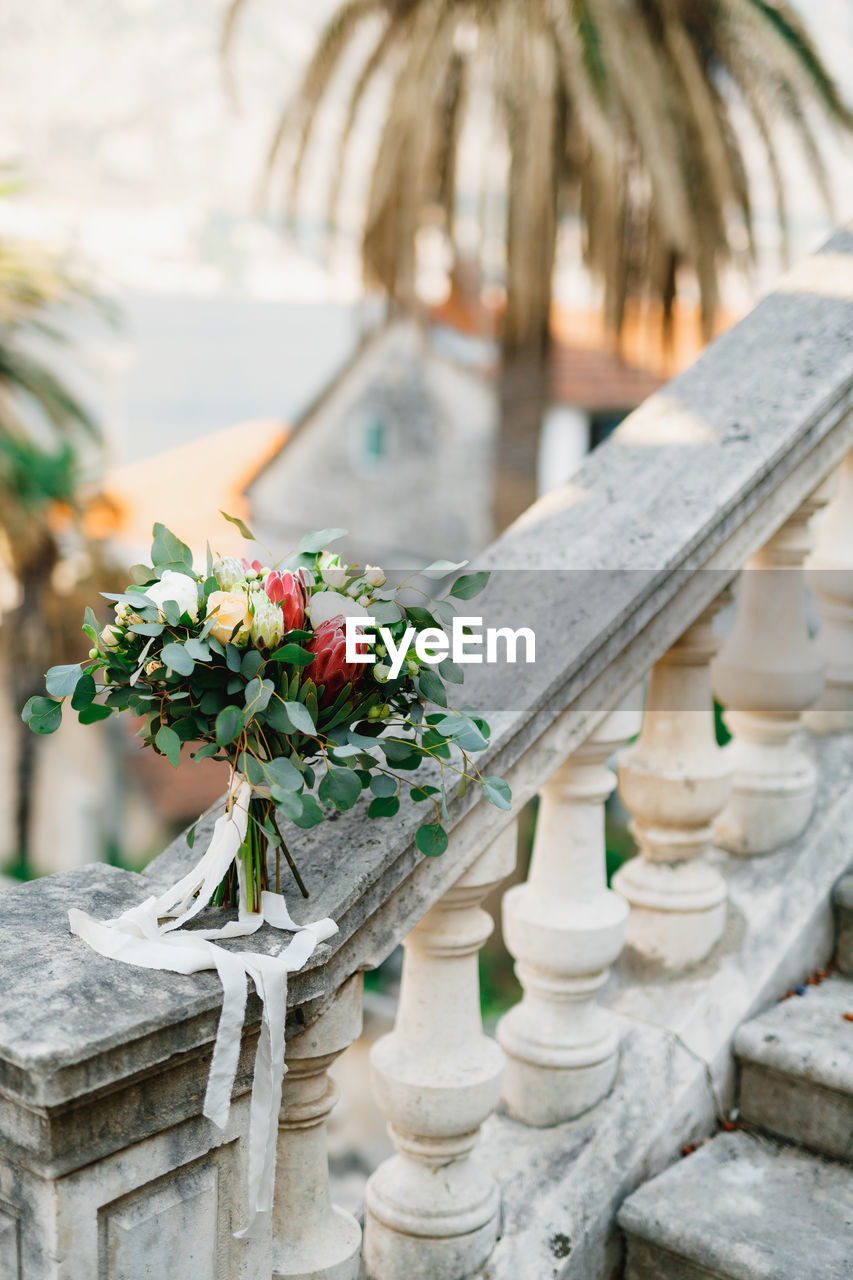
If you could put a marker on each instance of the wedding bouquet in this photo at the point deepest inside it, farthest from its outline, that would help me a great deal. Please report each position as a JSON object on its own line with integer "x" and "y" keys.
{"x": 246, "y": 663}
{"x": 249, "y": 664}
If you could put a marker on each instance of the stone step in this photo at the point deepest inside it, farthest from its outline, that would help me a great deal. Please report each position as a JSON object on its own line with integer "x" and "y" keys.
{"x": 742, "y": 1208}
{"x": 797, "y": 1069}
{"x": 844, "y": 917}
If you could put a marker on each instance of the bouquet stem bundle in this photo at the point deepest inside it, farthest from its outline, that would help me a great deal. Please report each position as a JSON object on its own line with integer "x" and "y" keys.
{"x": 262, "y": 830}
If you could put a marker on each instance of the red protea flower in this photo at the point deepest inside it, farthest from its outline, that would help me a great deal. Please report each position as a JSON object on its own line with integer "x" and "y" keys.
{"x": 286, "y": 589}
{"x": 330, "y": 667}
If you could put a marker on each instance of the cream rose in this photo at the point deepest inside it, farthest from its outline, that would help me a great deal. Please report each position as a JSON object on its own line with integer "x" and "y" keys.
{"x": 179, "y": 588}
{"x": 230, "y": 608}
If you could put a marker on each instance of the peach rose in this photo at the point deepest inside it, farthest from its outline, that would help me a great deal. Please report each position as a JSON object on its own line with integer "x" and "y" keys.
{"x": 230, "y": 608}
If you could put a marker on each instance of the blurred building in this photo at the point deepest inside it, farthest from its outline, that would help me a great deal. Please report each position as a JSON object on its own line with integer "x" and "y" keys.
{"x": 397, "y": 449}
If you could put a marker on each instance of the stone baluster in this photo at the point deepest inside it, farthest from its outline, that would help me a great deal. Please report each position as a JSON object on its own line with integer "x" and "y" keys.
{"x": 830, "y": 576}
{"x": 564, "y": 928}
{"x": 767, "y": 674}
{"x": 313, "y": 1239}
{"x": 431, "y": 1211}
{"x": 675, "y": 780}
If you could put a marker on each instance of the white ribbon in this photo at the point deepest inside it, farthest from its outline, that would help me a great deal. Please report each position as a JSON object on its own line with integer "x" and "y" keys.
{"x": 137, "y": 937}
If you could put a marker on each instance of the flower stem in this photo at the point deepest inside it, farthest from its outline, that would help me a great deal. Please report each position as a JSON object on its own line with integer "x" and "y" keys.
{"x": 293, "y": 867}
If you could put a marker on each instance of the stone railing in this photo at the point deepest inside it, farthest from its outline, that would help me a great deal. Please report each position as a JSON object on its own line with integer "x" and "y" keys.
{"x": 512, "y": 1153}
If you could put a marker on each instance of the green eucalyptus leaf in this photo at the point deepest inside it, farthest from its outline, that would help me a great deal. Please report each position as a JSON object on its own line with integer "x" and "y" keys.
{"x": 197, "y": 650}
{"x": 93, "y": 713}
{"x": 469, "y": 585}
{"x": 386, "y": 612}
{"x": 43, "y": 715}
{"x": 318, "y": 540}
{"x": 299, "y": 716}
{"x": 293, "y": 654}
{"x": 430, "y": 686}
{"x": 91, "y": 626}
{"x": 383, "y": 807}
{"x": 450, "y": 670}
{"x": 84, "y": 693}
{"x": 167, "y": 550}
{"x": 62, "y": 681}
{"x": 147, "y": 628}
{"x": 229, "y": 725}
{"x": 282, "y": 773}
{"x": 177, "y": 659}
{"x": 247, "y": 533}
{"x": 339, "y": 787}
{"x": 431, "y": 839}
{"x": 310, "y": 815}
{"x": 172, "y": 612}
{"x": 169, "y": 744}
{"x": 422, "y": 793}
{"x": 251, "y": 663}
{"x": 497, "y": 792}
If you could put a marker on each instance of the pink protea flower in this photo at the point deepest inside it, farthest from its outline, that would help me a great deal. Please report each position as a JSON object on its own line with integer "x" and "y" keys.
{"x": 286, "y": 589}
{"x": 251, "y": 566}
{"x": 330, "y": 667}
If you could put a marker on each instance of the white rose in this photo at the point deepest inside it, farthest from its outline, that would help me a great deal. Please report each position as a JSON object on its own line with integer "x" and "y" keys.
{"x": 374, "y": 576}
{"x": 333, "y": 573}
{"x": 177, "y": 587}
{"x": 325, "y": 605}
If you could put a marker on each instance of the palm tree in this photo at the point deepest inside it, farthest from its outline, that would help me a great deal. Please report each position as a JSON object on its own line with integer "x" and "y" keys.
{"x": 621, "y": 110}
{"x": 39, "y": 417}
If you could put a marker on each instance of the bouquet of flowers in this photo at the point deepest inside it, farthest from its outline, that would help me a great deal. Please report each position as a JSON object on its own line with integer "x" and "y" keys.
{"x": 247, "y": 663}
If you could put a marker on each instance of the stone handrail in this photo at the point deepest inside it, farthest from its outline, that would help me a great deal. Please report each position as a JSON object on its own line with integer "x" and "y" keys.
{"x": 106, "y": 1164}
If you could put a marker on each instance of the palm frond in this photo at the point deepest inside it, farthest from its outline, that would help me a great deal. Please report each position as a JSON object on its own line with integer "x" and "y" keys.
{"x": 394, "y": 33}
{"x": 787, "y": 24}
{"x": 621, "y": 107}
{"x": 299, "y": 117}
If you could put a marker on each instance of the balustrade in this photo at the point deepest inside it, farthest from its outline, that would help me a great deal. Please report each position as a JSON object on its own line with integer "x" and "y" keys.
{"x": 432, "y": 1210}
{"x": 767, "y": 674}
{"x": 107, "y": 1165}
{"x": 830, "y": 575}
{"x": 675, "y": 780}
{"x": 311, "y": 1237}
{"x": 564, "y": 928}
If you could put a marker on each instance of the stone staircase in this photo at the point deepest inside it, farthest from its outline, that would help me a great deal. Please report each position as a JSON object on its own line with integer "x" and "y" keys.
{"x": 773, "y": 1201}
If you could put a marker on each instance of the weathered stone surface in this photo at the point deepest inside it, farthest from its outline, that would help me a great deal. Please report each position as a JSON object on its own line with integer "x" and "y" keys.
{"x": 797, "y": 1069}
{"x": 844, "y": 918}
{"x": 166, "y": 1206}
{"x": 741, "y": 1208}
